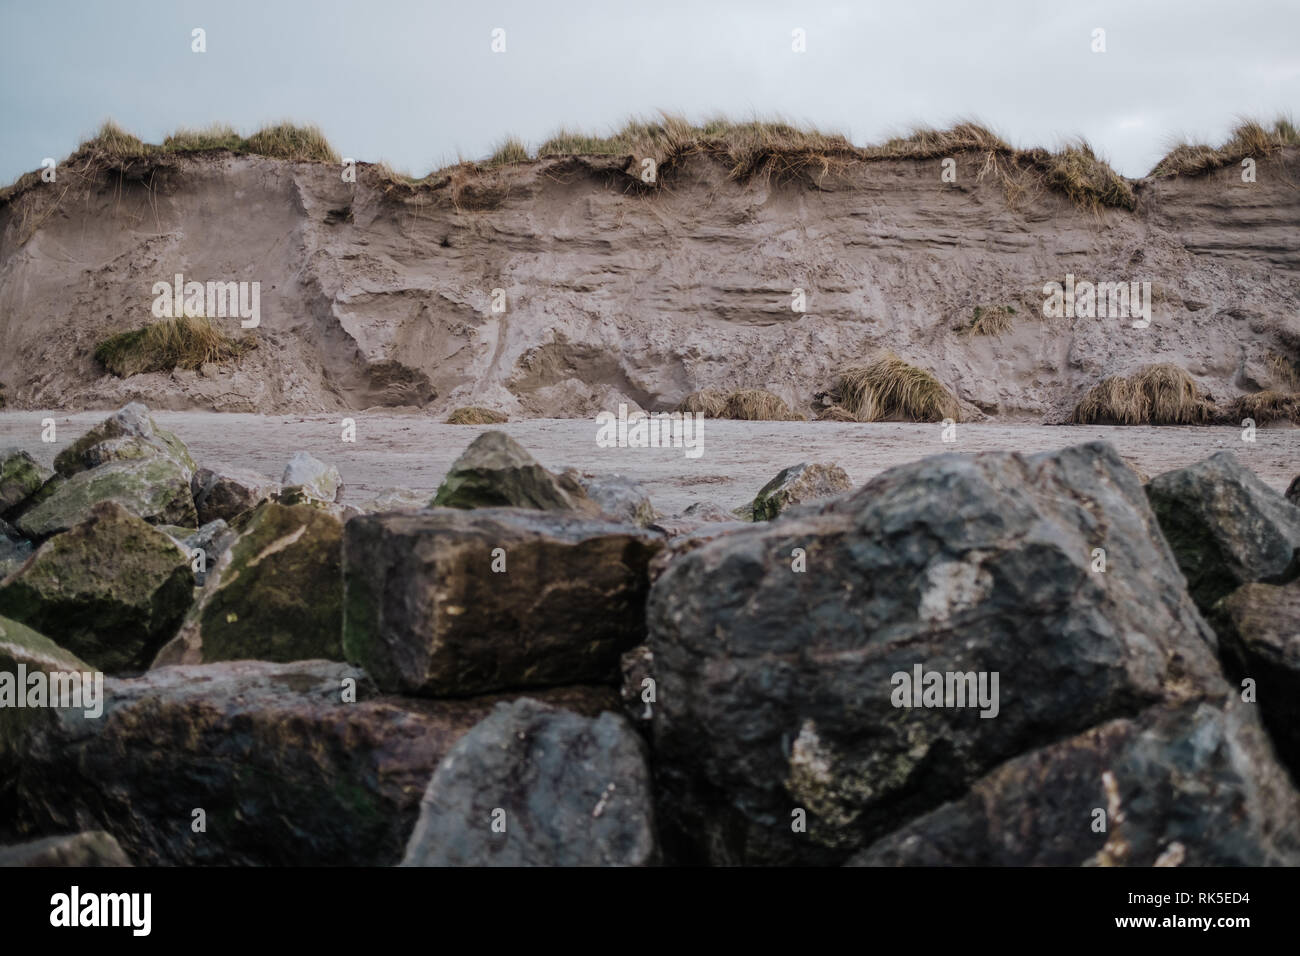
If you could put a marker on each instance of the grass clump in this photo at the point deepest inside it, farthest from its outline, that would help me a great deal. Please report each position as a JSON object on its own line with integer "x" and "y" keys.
{"x": 890, "y": 388}
{"x": 1085, "y": 180}
{"x": 1249, "y": 139}
{"x": 836, "y": 413}
{"x": 173, "y": 343}
{"x": 988, "y": 320}
{"x": 512, "y": 150}
{"x": 287, "y": 141}
{"x": 1161, "y": 394}
{"x": 113, "y": 142}
{"x": 1267, "y": 406}
{"x": 758, "y": 405}
{"x": 217, "y": 136}
{"x": 474, "y": 415}
{"x": 710, "y": 401}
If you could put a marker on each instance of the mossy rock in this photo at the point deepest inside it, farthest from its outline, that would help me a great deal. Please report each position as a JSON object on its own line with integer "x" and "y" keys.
{"x": 21, "y": 476}
{"x": 495, "y": 471}
{"x": 156, "y": 489}
{"x": 111, "y": 590}
{"x": 799, "y": 483}
{"x": 129, "y": 434}
{"x": 275, "y": 595}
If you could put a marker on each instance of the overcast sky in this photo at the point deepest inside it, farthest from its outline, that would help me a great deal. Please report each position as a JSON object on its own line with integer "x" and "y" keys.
{"x": 417, "y": 84}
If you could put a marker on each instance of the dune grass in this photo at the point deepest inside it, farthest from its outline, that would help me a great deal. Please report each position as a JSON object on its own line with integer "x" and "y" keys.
{"x": 184, "y": 343}
{"x": 1250, "y": 139}
{"x": 710, "y": 401}
{"x": 889, "y": 388}
{"x": 279, "y": 141}
{"x": 988, "y": 320}
{"x": 836, "y": 413}
{"x": 474, "y": 415}
{"x": 1162, "y": 394}
{"x": 1267, "y": 406}
{"x": 758, "y": 405}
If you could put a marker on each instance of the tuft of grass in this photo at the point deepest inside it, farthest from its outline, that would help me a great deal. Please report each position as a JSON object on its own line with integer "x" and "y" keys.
{"x": 988, "y": 320}
{"x": 173, "y": 343}
{"x": 890, "y": 388}
{"x": 837, "y": 413}
{"x": 113, "y": 142}
{"x": 1250, "y": 139}
{"x": 217, "y": 136}
{"x": 511, "y": 150}
{"x": 707, "y": 400}
{"x": 1284, "y": 371}
{"x": 474, "y": 415}
{"x": 1161, "y": 394}
{"x": 289, "y": 141}
{"x": 927, "y": 143}
{"x": 758, "y": 405}
{"x": 1267, "y": 406}
{"x": 1085, "y": 180}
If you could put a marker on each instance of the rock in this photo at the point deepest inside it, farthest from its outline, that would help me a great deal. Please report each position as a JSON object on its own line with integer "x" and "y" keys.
{"x": 1226, "y": 527}
{"x": 777, "y": 689}
{"x": 799, "y": 483}
{"x": 695, "y": 517}
{"x": 275, "y": 594}
{"x": 287, "y": 770}
{"x": 20, "y": 646}
{"x": 21, "y": 476}
{"x": 313, "y": 477}
{"x": 213, "y": 539}
{"x": 495, "y": 471}
{"x": 1293, "y": 491}
{"x": 622, "y": 499}
{"x": 570, "y": 791}
{"x": 93, "y": 848}
{"x": 1190, "y": 786}
{"x": 395, "y": 499}
{"x": 112, "y": 590}
{"x": 129, "y": 434}
{"x": 688, "y": 541}
{"x": 426, "y": 614}
{"x": 1259, "y": 627}
{"x": 155, "y": 489}
{"x": 638, "y": 691}
{"x": 14, "y": 551}
{"x": 225, "y": 493}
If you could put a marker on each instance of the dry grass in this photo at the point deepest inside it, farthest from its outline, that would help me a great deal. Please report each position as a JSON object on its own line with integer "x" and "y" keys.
{"x": 173, "y": 343}
{"x": 288, "y": 141}
{"x": 1284, "y": 371}
{"x": 474, "y": 415}
{"x": 927, "y": 143}
{"x": 1249, "y": 139}
{"x": 1085, "y": 179}
{"x": 511, "y": 150}
{"x": 988, "y": 320}
{"x": 710, "y": 401}
{"x": 758, "y": 405}
{"x": 837, "y": 413}
{"x": 1267, "y": 406}
{"x": 891, "y": 389}
{"x": 217, "y": 136}
{"x": 1154, "y": 395}
{"x": 113, "y": 142}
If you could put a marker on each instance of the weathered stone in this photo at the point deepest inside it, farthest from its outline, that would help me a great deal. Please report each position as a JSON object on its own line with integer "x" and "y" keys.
{"x": 288, "y": 770}
{"x": 93, "y": 848}
{"x": 1259, "y": 628}
{"x": 694, "y": 518}
{"x": 129, "y": 434}
{"x": 395, "y": 499}
{"x": 14, "y": 551}
{"x": 155, "y": 489}
{"x": 495, "y": 471}
{"x": 777, "y": 689}
{"x": 622, "y": 499}
{"x": 312, "y": 477}
{"x": 688, "y": 541}
{"x": 427, "y": 614}
{"x": 20, "y": 645}
{"x": 1190, "y": 786}
{"x": 1226, "y": 527}
{"x": 274, "y": 594}
{"x": 570, "y": 790}
{"x": 225, "y": 493}
{"x": 1293, "y": 491}
{"x": 111, "y": 590}
{"x": 638, "y": 691}
{"x": 213, "y": 540}
{"x": 21, "y": 476}
{"x": 799, "y": 483}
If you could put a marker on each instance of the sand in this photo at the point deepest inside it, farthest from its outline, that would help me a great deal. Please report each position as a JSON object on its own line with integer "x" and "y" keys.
{"x": 414, "y": 451}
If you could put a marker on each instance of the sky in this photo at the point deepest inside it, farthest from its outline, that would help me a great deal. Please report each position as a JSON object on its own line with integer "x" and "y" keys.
{"x": 417, "y": 84}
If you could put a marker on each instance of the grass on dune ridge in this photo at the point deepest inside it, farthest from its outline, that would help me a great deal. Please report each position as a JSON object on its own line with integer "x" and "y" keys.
{"x": 186, "y": 343}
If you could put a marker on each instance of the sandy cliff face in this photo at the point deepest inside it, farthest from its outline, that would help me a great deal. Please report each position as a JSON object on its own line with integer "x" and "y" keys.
{"x": 374, "y": 294}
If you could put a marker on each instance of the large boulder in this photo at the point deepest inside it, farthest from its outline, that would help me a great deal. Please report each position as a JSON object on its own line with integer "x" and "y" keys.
{"x": 449, "y": 602}
{"x": 1226, "y": 527}
{"x": 274, "y": 594}
{"x": 21, "y": 476}
{"x": 1259, "y": 627}
{"x": 93, "y": 848}
{"x": 495, "y": 471}
{"x": 129, "y": 434}
{"x": 797, "y": 484}
{"x": 156, "y": 489}
{"x": 1191, "y": 786}
{"x": 290, "y": 764}
{"x": 14, "y": 550}
{"x": 312, "y": 478}
{"x": 23, "y": 650}
{"x": 112, "y": 590}
{"x": 223, "y": 493}
{"x": 534, "y": 785}
{"x": 780, "y": 689}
